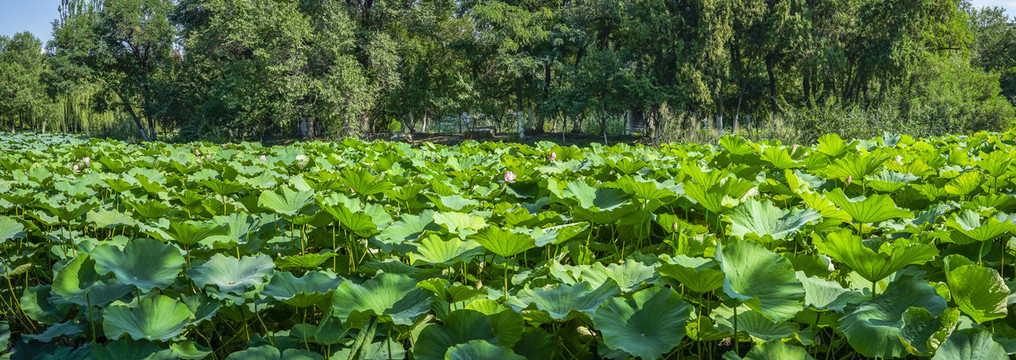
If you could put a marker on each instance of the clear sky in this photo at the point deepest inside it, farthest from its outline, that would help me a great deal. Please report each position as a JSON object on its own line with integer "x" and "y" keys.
{"x": 36, "y": 16}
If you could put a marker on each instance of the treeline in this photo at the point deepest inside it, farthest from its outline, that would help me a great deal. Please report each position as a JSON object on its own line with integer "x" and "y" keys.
{"x": 232, "y": 69}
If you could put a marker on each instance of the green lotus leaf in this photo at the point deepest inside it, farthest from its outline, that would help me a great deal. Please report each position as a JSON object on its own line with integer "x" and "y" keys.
{"x": 232, "y": 276}
{"x": 380, "y": 350}
{"x": 145, "y": 263}
{"x": 503, "y": 328}
{"x": 126, "y": 349}
{"x": 628, "y": 276}
{"x": 589, "y": 197}
{"x": 305, "y": 291}
{"x": 285, "y": 201}
{"x": 222, "y": 187}
{"x": 970, "y": 344}
{"x": 434, "y": 250}
{"x": 5, "y": 334}
{"x": 763, "y": 280}
{"x": 480, "y": 349}
{"x": 763, "y": 219}
{"x": 773, "y": 350}
{"x": 828, "y": 295}
{"x": 758, "y": 326}
{"x": 239, "y": 226}
{"x": 358, "y": 222}
{"x": 779, "y": 157}
{"x": 305, "y": 261}
{"x": 857, "y": 166}
{"x": 649, "y": 189}
{"x": 362, "y": 182}
{"x": 109, "y": 218}
{"x": 79, "y": 283}
{"x": 37, "y": 304}
{"x": 189, "y": 349}
{"x": 559, "y": 302}
{"x": 871, "y": 265}
{"x": 150, "y": 209}
{"x": 979, "y": 292}
{"x": 188, "y": 233}
{"x": 701, "y": 275}
{"x": 647, "y": 326}
{"x": 462, "y": 224}
{"x": 965, "y": 184}
{"x": 832, "y": 145}
{"x": 156, "y": 318}
{"x": 923, "y": 333}
{"x": 69, "y": 328}
{"x": 873, "y": 327}
{"x": 502, "y": 242}
{"x": 968, "y": 223}
{"x": 389, "y": 296}
{"x": 718, "y": 197}
{"x": 873, "y": 209}
{"x": 10, "y": 229}
{"x": 409, "y": 227}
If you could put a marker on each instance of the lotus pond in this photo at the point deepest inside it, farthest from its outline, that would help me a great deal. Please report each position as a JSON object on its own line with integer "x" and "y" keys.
{"x": 889, "y": 248}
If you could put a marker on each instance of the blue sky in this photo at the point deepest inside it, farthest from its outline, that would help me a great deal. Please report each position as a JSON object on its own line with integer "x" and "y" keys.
{"x": 36, "y": 15}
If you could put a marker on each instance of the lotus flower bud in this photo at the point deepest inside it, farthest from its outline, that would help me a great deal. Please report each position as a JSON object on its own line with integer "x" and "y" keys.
{"x": 87, "y": 160}
{"x": 197, "y": 152}
{"x": 75, "y": 167}
{"x": 849, "y": 178}
{"x": 263, "y": 158}
{"x": 479, "y": 284}
{"x": 899, "y": 159}
{"x": 552, "y": 156}
{"x": 509, "y": 176}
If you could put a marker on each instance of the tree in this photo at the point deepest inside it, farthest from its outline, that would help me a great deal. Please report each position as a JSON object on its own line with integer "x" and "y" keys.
{"x": 21, "y": 66}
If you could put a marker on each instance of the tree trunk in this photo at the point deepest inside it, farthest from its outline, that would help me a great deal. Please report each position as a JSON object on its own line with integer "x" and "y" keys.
{"x": 521, "y": 116}
{"x": 772, "y": 82}
{"x": 806, "y": 84}
{"x": 130, "y": 110}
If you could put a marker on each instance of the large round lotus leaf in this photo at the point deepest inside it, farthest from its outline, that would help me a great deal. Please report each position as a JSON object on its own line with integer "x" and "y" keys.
{"x": 386, "y": 295}
{"x": 308, "y": 290}
{"x": 873, "y": 328}
{"x": 285, "y": 201}
{"x": 36, "y": 303}
{"x": 504, "y": 242}
{"x": 5, "y": 334}
{"x": 628, "y": 276}
{"x": 828, "y": 295}
{"x": 763, "y": 280}
{"x": 979, "y": 292}
{"x": 922, "y": 333}
{"x": 188, "y": 233}
{"x": 145, "y": 263}
{"x": 67, "y": 328}
{"x": 968, "y": 223}
{"x": 480, "y": 349}
{"x": 354, "y": 220}
{"x": 109, "y": 218}
{"x": 189, "y": 349}
{"x": 872, "y": 209}
{"x": 459, "y": 223}
{"x": 10, "y": 229}
{"x": 409, "y": 227}
{"x": 268, "y": 352}
{"x": 380, "y": 350}
{"x": 647, "y": 326}
{"x": 502, "y": 328}
{"x": 562, "y": 300}
{"x": 970, "y": 344}
{"x": 765, "y": 220}
{"x": 155, "y": 318}
{"x": 773, "y": 350}
{"x": 871, "y": 265}
{"x": 230, "y": 275}
{"x": 77, "y": 282}
{"x": 701, "y": 275}
{"x": 434, "y": 250}
{"x": 758, "y": 327}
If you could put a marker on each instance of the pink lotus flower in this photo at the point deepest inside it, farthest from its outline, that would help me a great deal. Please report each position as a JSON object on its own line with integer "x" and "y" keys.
{"x": 263, "y": 158}
{"x": 509, "y": 177}
{"x": 552, "y": 156}
{"x": 849, "y": 177}
{"x": 87, "y": 160}
{"x": 75, "y": 167}
{"x": 197, "y": 152}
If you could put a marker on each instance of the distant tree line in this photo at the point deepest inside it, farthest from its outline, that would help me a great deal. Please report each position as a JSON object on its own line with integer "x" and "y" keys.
{"x": 235, "y": 69}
